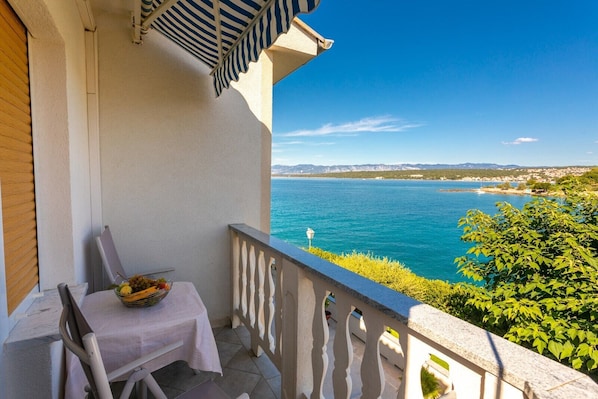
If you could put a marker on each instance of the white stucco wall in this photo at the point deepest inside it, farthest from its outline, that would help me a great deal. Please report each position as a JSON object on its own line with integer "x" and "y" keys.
{"x": 177, "y": 164}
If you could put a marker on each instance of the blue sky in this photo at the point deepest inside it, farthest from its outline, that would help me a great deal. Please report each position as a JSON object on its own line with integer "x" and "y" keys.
{"x": 509, "y": 82}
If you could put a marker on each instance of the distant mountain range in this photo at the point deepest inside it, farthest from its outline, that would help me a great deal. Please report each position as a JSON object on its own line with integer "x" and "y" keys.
{"x": 315, "y": 169}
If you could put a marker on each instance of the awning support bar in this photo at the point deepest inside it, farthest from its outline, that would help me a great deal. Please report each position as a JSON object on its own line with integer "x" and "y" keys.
{"x": 161, "y": 9}
{"x": 257, "y": 17}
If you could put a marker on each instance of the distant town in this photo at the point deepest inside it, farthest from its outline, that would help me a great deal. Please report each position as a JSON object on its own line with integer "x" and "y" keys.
{"x": 464, "y": 172}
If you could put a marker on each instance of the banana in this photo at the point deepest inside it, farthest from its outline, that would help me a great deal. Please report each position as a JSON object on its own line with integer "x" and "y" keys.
{"x": 140, "y": 294}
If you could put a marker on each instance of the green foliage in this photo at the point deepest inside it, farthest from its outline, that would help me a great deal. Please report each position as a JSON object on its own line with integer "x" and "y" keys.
{"x": 539, "y": 267}
{"x": 504, "y": 186}
{"x": 393, "y": 275}
{"x": 588, "y": 181}
{"x": 541, "y": 186}
{"x": 430, "y": 386}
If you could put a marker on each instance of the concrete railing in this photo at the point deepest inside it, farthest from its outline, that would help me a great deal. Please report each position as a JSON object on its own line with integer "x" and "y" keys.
{"x": 279, "y": 293}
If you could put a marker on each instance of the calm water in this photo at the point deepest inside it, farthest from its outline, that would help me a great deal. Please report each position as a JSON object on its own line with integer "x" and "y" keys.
{"x": 413, "y": 222}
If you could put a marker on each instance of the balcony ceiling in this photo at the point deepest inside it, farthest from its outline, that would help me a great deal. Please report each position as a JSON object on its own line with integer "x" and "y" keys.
{"x": 226, "y": 35}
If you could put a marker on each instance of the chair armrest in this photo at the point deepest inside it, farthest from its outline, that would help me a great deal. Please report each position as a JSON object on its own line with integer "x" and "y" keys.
{"x": 162, "y": 271}
{"x": 127, "y": 368}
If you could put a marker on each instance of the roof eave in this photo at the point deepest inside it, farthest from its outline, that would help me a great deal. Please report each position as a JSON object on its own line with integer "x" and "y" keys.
{"x": 296, "y": 48}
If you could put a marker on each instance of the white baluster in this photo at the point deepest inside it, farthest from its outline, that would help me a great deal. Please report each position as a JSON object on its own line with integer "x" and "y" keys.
{"x": 235, "y": 259}
{"x": 319, "y": 357}
{"x": 251, "y": 291}
{"x": 279, "y": 302}
{"x": 372, "y": 374}
{"x": 261, "y": 267}
{"x": 269, "y": 308}
{"x": 343, "y": 349}
{"x": 298, "y": 303}
{"x": 244, "y": 279}
{"x": 416, "y": 353}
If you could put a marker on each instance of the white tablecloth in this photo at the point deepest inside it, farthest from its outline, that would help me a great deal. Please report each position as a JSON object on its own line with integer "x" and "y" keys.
{"x": 125, "y": 334}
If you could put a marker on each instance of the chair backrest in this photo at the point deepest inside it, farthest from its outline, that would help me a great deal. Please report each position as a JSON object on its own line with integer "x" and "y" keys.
{"x": 110, "y": 259}
{"x": 80, "y": 339}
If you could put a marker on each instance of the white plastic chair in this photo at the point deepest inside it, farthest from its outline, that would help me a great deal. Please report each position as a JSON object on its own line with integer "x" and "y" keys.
{"x": 111, "y": 261}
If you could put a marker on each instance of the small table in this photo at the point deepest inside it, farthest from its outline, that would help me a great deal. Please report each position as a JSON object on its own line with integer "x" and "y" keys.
{"x": 125, "y": 334}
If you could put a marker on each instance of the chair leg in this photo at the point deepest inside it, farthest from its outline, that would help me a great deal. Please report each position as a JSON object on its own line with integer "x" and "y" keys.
{"x": 142, "y": 379}
{"x": 141, "y": 390}
{"x": 127, "y": 389}
{"x": 153, "y": 386}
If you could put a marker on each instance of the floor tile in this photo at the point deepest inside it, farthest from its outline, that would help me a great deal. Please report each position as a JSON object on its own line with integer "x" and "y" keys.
{"x": 243, "y": 361}
{"x": 263, "y": 390}
{"x": 235, "y": 382}
{"x": 227, "y": 335}
{"x": 265, "y": 366}
{"x": 227, "y": 351}
{"x": 275, "y": 384}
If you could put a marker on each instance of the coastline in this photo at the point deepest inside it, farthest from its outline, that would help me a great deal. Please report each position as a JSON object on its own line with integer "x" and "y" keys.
{"x": 512, "y": 191}
{"x": 496, "y": 190}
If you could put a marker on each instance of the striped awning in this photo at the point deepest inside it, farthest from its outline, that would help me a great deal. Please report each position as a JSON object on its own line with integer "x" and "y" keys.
{"x": 224, "y": 34}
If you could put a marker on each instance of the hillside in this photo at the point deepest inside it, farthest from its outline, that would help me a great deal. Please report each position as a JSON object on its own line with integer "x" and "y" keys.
{"x": 466, "y": 172}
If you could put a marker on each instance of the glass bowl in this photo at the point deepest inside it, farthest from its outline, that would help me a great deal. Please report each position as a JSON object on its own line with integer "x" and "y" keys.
{"x": 138, "y": 300}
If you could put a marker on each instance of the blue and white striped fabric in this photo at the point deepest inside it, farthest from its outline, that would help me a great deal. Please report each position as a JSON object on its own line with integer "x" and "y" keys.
{"x": 227, "y": 34}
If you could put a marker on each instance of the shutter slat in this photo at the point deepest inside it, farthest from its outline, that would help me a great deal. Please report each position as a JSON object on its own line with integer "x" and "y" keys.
{"x": 17, "y": 188}
{"x": 11, "y": 67}
{"x": 11, "y": 222}
{"x": 22, "y": 244}
{"x": 15, "y": 199}
{"x": 8, "y": 155}
{"x": 24, "y": 281}
{"x": 12, "y": 20}
{"x": 24, "y": 284}
{"x": 18, "y": 259}
{"x": 15, "y": 140}
{"x": 24, "y": 231}
{"x": 15, "y": 167}
{"x": 20, "y": 232}
{"x": 17, "y": 178}
{"x": 14, "y": 119}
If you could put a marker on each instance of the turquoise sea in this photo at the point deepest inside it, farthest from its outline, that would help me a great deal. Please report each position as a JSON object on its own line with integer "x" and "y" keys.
{"x": 411, "y": 221}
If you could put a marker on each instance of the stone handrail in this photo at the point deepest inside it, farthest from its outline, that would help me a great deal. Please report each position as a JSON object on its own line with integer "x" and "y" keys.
{"x": 279, "y": 293}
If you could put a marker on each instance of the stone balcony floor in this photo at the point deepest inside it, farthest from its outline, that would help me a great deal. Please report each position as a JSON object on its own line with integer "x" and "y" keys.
{"x": 244, "y": 372}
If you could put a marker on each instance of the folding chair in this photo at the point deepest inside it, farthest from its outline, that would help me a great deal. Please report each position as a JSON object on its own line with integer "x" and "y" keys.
{"x": 111, "y": 261}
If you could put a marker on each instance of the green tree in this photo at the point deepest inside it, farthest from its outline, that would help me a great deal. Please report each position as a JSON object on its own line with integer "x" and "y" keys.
{"x": 539, "y": 269}
{"x": 504, "y": 186}
{"x": 544, "y": 186}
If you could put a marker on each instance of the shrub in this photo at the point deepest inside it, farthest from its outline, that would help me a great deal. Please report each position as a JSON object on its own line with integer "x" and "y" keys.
{"x": 539, "y": 266}
{"x": 394, "y": 275}
{"x": 430, "y": 386}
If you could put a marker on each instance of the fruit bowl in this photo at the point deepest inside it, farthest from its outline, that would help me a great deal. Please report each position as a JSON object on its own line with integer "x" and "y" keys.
{"x": 144, "y": 298}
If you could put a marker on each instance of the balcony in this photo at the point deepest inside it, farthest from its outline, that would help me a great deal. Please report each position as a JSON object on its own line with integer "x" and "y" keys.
{"x": 280, "y": 293}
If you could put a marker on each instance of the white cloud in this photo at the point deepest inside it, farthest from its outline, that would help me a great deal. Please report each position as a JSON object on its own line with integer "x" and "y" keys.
{"x": 372, "y": 124}
{"x": 520, "y": 140}
{"x": 291, "y": 143}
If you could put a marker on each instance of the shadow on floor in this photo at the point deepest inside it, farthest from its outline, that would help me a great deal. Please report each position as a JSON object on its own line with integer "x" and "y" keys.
{"x": 257, "y": 376}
